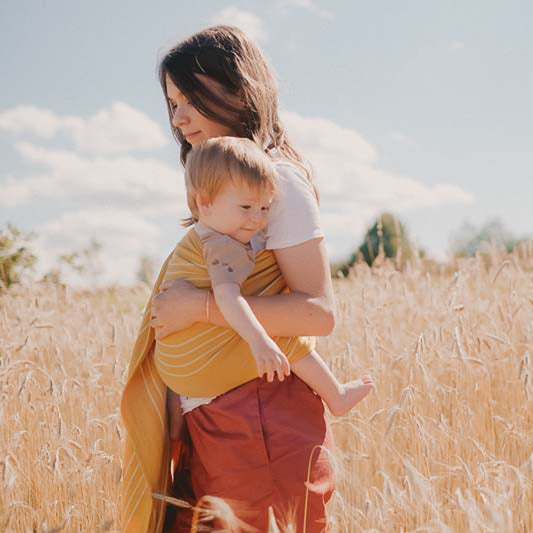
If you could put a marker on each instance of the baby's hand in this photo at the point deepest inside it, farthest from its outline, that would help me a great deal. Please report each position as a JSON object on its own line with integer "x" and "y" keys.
{"x": 270, "y": 359}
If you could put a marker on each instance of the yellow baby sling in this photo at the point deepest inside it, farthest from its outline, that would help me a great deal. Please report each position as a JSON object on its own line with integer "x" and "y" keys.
{"x": 200, "y": 361}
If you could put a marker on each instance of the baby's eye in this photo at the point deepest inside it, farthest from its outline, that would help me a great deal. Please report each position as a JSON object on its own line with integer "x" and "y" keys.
{"x": 265, "y": 208}
{"x": 246, "y": 206}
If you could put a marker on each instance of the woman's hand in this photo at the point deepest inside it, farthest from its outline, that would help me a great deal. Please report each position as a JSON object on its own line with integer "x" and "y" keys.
{"x": 177, "y": 306}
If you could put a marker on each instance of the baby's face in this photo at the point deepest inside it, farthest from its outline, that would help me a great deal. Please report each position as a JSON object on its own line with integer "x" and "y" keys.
{"x": 238, "y": 211}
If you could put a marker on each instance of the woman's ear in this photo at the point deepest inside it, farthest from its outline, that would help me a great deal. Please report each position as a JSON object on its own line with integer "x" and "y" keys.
{"x": 204, "y": 204}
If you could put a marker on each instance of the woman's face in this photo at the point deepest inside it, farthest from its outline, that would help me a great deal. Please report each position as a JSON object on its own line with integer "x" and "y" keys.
{"x": 193, "y": 125}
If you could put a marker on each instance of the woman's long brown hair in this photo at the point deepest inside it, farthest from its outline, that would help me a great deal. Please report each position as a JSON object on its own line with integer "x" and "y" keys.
{"x": 226, "y": 55}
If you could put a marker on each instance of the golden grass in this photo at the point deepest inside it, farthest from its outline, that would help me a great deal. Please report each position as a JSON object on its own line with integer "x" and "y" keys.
{"x": 445, "y": 443}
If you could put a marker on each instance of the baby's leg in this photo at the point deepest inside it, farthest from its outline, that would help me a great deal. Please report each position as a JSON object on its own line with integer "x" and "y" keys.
{"x": 339, "y": 397}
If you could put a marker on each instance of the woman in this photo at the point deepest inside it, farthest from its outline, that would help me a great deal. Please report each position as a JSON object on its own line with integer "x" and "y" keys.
{"x": 257, "y": 445}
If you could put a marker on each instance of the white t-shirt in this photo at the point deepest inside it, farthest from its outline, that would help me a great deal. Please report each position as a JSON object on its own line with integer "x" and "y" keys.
{"x": 294, "y": 218}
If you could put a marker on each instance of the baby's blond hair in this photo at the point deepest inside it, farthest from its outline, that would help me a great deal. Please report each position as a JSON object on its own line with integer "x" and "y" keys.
{"x": 221, "y": 160}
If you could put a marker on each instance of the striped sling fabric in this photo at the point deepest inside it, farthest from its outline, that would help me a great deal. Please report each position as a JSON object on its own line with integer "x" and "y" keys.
{"x": 201, "y": 361}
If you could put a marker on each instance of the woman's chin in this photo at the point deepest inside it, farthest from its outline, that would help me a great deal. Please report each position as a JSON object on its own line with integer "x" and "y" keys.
{"x": 194, "y": 140}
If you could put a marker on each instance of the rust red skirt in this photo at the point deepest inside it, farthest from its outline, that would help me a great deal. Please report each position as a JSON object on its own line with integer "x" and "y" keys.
{"x": 253, "y": 446}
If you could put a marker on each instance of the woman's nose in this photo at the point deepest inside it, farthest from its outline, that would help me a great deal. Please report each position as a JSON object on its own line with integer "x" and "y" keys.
{"x": 180, "y": 117}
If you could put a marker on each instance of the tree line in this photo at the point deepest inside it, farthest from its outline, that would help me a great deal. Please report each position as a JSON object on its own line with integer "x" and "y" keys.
{"x": 386, "y": 239}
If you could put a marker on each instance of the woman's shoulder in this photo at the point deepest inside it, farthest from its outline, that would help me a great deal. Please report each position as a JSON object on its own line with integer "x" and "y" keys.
{"x": 294, "y": 215}
{"x": 292, "y": 179}
{"x": 289, "y": 169}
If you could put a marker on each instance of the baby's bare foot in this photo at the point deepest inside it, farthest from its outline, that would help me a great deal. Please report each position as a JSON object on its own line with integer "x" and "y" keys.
{"x": 350, "y": 395}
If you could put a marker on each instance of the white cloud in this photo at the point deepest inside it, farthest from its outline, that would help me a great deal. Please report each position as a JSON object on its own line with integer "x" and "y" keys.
{"x": 131, "y": 204}
{"x": 124, "y": 237}
{"x": 16, "y": 192}
{"x": 457, "y": 45}
{"x": 305, "y": 4}
{"x": 29, "y": 119}
{"x": 69, "y": 174}
{"x": 353, "y": 185}
{"x": 119, "y": 129}
{"x": 247, "y": 21}
{"x": 324, "y": 136}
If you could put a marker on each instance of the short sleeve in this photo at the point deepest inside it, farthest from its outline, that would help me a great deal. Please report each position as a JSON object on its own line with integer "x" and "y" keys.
{"x": 227, "y": 260}
{"x": 294, "y": 215}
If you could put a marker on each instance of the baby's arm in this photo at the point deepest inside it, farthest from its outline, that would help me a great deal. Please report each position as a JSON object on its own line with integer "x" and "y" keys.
{"x": 240, "y": 317}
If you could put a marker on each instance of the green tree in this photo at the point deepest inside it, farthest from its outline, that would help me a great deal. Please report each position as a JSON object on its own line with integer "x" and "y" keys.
{"x": 387, "y": 237}
{"x": 15, "y": 256}
{"x": 469, "y": 239}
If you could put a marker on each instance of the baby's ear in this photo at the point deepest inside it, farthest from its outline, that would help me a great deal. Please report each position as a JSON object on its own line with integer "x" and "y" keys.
{"x": 203, "y": 203}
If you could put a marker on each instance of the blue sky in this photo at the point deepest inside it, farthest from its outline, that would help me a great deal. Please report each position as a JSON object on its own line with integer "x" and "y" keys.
{"x": 421, "y": 107}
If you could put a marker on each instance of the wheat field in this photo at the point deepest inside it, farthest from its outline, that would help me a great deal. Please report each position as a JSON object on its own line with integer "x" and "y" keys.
{"x": 444, "y": 443}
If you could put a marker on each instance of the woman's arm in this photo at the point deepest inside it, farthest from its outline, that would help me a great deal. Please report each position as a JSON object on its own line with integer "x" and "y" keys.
{"x": 308, "y": 310}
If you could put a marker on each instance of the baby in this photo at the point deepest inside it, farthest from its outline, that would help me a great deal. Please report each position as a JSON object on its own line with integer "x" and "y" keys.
{"x": 230, "y": 185}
